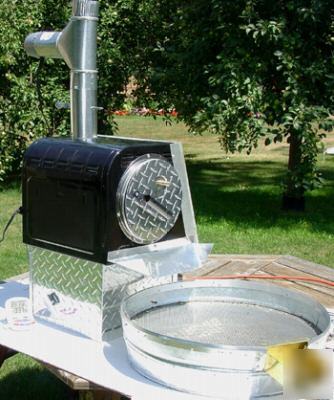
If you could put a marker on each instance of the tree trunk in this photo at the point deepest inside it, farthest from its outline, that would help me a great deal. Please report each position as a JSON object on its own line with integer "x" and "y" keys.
{"x": 293, "y": 198}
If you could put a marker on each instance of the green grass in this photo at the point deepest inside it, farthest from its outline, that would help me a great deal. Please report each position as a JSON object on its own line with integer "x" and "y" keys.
{"x": 237, "y": 205}
{"x": 237, "y": 198}
{"x": 22, "y": 378}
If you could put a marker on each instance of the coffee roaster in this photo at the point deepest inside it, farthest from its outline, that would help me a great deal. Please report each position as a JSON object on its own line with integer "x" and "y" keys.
{"x": 89, "y": 198}
{"x": 110, "y": 221}
{"x": 103, "y": 216}
{"x": 89, "y": 195}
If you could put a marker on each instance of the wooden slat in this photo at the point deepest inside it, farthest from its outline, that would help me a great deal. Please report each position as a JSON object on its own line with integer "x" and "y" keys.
{"x": 236, "y": 264}
{"x": 307, "y": 266}
{"x": 208, "y": 267}
{"x": 71, "y": 380}
{"x": 279, "y": 269}
{"x": 101, "y": 395}
{"x": 87, "y": 390}
{"x": 239, "y": 267}
{"x": 243, "y": 257}
{"x": 322, "y": 298}
{"x": 223, "y": 266}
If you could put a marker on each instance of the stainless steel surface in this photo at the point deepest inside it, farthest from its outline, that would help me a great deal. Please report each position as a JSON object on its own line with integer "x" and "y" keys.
{"x": 149, "y": 198}
{"x": 84, "y": 104}
{"x": 163, "y": 258}
{"x": 92, "y": 292}
{"x": 85, "y": 8}
{"x": 223, "y": 323}
{"x": 78, "y": 47}
{"x": 66, "y": 291}
{"x": 217, "y": 332}
{"x": 80, "y": 295}
{"x": 187, "y": 204}
{"x": 43, "y": 44}
{"x": 119, "y": 283}
{"x": 76, "y": 44}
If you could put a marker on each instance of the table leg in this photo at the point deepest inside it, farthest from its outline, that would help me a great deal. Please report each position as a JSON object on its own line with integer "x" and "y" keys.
{"x": 5, "y": 353}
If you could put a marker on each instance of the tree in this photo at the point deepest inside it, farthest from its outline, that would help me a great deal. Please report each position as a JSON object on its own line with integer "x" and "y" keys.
{"x": 23, "y": 117}
{"x": 29, "y": 89}
{"x": 242, "y": 69}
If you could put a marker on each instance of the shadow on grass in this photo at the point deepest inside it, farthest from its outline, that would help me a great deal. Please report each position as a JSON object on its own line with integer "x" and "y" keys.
{"x": 249, "y": 194}
{"x": 32, "y": 383}
{"x": 13, "y": 183}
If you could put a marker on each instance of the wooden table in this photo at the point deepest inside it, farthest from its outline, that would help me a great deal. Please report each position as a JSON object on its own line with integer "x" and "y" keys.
{"x": 220, "y": 265}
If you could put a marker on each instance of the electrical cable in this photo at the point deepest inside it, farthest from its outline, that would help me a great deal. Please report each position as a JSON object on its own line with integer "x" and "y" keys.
{"x": 269, "y": 277}
{"x": 11, "y": 219}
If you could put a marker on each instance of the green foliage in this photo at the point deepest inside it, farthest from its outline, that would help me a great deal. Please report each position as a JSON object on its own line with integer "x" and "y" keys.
{"x": 236, "y": 203}
{"x": 242, "y": 69}
{"x": 22, "y": 117}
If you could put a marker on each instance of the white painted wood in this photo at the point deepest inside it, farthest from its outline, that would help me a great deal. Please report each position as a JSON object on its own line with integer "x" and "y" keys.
{"x": 103, "y": 364}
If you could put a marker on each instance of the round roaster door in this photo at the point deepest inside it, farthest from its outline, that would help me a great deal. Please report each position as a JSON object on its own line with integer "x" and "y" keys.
{"x": 148, "y": 198}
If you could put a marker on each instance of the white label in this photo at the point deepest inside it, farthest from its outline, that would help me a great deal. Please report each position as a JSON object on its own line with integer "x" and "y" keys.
{"x": 58, "y": 305}
{"x": 19, "y": 313}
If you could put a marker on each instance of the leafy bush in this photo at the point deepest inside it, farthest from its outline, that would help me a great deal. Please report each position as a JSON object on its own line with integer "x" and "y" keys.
{"x": 22, "y": 117}
{"x": 241, "y": 69}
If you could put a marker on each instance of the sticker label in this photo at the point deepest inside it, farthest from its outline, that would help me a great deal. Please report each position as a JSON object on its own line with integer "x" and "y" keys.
{"x": 59, "y": 306}
{"x": 303, "y": 373}
{"x": 19, "y": 313}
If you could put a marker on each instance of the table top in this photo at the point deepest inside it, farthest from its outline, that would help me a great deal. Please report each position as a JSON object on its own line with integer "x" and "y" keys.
{"x": 273, "y": 265}
{"x": 107, "y": 365}
{"x": 104, "y": 364}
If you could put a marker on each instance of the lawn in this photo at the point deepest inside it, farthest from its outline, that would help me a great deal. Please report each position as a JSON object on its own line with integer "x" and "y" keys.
{"x": 237, "y": 205}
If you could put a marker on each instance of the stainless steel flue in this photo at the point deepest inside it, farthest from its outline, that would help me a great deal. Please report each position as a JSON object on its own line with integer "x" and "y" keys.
{"x": 76, "y": 45}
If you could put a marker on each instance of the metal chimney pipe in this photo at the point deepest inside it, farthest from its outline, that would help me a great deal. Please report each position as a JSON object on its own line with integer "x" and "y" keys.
{"x": 76, "y": 44}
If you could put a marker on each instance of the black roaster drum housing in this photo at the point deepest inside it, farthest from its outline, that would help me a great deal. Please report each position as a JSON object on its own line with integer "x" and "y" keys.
{"x": 69, "y": 194}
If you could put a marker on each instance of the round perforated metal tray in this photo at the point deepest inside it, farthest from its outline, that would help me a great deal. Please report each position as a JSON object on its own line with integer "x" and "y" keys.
{"x": 205, "y": 336}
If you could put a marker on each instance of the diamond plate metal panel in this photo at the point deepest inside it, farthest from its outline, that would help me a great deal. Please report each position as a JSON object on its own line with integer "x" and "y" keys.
{"x": 69, "y": 313}
{"x": 81, "y": 295}
{"x": 150, "y": 199}
{"x": 74, "y": 277}
{"x": 67, "y": 291}
{"x": 120, "y": 282}
{"x": 116, "y": 280}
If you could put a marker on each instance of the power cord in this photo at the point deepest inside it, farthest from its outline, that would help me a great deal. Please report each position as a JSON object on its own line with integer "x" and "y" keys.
{"x": 11, "y": 219}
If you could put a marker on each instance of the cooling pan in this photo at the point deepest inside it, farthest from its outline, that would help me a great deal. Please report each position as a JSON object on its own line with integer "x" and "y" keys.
{"x": 211, "y": 337}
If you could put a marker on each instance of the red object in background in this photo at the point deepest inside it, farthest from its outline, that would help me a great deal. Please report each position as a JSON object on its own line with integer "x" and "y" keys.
{"x": 121, "y": 112}
{"x": 144, "y": 112}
